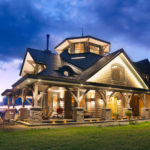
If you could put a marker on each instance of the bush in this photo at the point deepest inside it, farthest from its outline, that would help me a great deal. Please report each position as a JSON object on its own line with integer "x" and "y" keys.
{"x": 115, "y": 114}
{"x": 128, "y": 113}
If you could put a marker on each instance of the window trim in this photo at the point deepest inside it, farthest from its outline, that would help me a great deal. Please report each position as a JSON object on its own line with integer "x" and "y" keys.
{"x": 123, "y": 69}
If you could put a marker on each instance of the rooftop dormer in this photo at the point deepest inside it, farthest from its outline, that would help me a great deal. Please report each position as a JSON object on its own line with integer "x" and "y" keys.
{"x": 84, "y": 44}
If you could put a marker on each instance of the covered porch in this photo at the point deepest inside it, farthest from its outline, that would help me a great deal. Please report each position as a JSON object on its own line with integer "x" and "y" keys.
{"x": 60, "y": 99}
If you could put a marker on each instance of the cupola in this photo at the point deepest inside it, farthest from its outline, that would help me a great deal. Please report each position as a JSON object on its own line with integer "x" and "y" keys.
{"x": 84, "y": 44}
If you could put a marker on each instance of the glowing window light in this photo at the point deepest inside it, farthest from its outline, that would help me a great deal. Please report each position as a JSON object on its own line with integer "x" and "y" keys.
{"x": 101, "y": 102}
{"x": 109, "y": 93}
{"x": 93, "y": 103}
{"x": 61, "y": 94}
{"x": 61, "y": 103}
{"x": 66, "y": 73}
{"x": 98, "y": 120}
{"x": 65, "y": 121}
{"x": 53, "y": 122}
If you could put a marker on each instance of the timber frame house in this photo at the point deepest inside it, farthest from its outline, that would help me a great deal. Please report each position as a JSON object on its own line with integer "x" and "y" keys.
{"x": 84, "y": 79}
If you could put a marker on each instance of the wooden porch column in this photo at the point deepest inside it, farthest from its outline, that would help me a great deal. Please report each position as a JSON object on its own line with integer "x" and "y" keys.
{"x": 67, "y": 105}
{"x": 128, "y": 97}
{"x": 107, "y": 111}
{"x": 23, "y": 97}
{"x": 9, "y": 101}
{"x": 145, "y": 112}
{"x": 13, "y": 101}
{"x": 36, "y": 110}
{"x": 78, "y": 113}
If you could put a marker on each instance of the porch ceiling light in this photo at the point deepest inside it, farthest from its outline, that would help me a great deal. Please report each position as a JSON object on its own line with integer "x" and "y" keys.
{"x": 81, "y": 84}
{"x": 109, "y": 93}
{"x": 39, "y": 80}
{"x": 28, "y": 80}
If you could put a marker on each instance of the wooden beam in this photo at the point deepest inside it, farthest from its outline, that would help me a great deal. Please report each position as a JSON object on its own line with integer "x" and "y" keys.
{"x": 28, "y": 101}
{"x": 28, "y": 72}
{"x": 32, "y": 63}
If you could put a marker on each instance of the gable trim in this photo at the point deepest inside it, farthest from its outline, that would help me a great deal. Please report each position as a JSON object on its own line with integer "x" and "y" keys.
{"x": 138, "y": 74}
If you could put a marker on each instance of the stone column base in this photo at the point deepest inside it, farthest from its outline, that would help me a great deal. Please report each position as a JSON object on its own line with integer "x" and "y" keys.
{"x": 10, "y": 114}
{"x": 35, "y": 115}
{"x": 108, "y": 115}
{"x": 78, "y": 114}
{"x": 125, "y": 110}
{"x": 23, "y": 113}
{"x": 145, "y": 113}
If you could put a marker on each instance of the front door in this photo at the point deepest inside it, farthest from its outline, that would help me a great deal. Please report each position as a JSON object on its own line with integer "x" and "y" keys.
{"x": 55, "y": 101}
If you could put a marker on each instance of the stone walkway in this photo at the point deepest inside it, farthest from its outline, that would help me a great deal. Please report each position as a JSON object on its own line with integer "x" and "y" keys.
{"x": 17, "y": 126}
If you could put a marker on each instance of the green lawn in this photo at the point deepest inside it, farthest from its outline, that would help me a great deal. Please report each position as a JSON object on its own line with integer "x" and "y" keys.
{"x": 132, "y": 137}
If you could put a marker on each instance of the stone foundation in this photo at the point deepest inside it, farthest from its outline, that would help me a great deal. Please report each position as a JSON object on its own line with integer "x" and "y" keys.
{"x": 78, "y": 114}
{"x": 35, "y": 115}
{"x": 125, "y": 110}
{"x": 145, "y": 113}
{"x": 108, "y": 115}
{"x": 23, "y": 113}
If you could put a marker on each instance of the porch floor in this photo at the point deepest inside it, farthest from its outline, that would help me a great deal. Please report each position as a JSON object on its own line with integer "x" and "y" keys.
{"x": 89, "y": 121}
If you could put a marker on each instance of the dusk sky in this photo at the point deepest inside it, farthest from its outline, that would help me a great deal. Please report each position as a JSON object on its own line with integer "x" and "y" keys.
{"x": 24, "y": 23}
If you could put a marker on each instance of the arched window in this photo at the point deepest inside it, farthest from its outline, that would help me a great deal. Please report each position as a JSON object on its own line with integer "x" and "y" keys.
{"x": 118, "y": 73}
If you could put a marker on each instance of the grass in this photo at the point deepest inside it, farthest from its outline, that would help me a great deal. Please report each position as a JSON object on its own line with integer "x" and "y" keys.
{"x": 132, "y": 137}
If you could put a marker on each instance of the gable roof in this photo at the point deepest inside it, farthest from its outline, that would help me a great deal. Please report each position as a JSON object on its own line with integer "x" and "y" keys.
{"x": 143, "y": 66}
{"x": 103, "y": 62}
{"x": 52, "y": 61}
{"x": 99, "y": 65}
{"x": 82, "y": 60}
{"x": 83, "y": 69}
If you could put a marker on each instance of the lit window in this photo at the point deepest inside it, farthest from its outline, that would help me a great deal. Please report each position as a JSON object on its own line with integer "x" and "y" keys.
{"x": 118, "y": 73}
{"x": 66, "y": 73}
{"x": 94, "y": 49}
{"x": 146, "y": 76}
{"x": 79, "y": 48}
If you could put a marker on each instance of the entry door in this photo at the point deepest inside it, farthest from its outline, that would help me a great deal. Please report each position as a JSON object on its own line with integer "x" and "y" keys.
{"x": 55, "y": 101}
{"x": 135, "y": 106}
{"x": 112, "y": 104}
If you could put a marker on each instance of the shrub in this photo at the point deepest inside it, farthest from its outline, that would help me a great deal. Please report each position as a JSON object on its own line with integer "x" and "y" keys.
{"x": 128, "y": 113}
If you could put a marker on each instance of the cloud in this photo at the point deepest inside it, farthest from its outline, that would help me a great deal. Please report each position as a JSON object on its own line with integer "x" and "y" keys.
{"x": 9, "y": 73}
{"x": 126, "y": 24}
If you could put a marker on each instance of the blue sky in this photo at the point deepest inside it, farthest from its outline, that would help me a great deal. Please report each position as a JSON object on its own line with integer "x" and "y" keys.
{"x": 126, "y": 24}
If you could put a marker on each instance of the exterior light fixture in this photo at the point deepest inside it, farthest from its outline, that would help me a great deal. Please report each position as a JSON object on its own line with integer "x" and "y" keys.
{"x": 98, "y": 120}
{"x": 28, "y": 80}
{"x": 65, "y": 121}
{"x": 53, "y": 122}
{"x": 39, "y": 80}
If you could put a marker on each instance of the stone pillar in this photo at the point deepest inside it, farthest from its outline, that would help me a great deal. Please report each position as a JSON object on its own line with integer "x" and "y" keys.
{"x": 145, "y": 113}
{"x": 125, "y": 110}
{"x": 108, "y": 115}
{"x": 67, "y": 105}
{"x": 35, "y": 115}
{"x": 23, "y": 113}
{"x": 78, "y": 114}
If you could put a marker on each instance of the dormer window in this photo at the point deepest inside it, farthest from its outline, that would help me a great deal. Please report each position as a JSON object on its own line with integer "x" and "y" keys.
{"x": 145, "y": 76}
{"x": 66, "y": 73}
{"x": 118, "y": 73}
